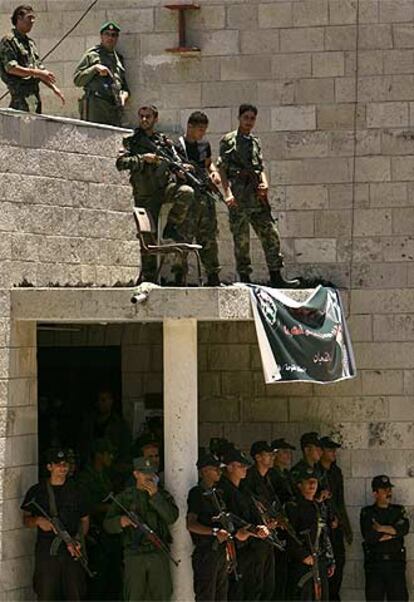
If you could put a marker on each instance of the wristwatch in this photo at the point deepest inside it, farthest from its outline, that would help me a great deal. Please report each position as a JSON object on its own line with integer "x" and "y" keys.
{"x": 214, "y": 531}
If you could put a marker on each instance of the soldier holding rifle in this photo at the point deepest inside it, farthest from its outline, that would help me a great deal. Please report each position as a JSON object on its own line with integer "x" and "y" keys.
{"x": 209, "y": 537}
{"x": 312, "y": 563}
{"x": 101, "y": 72}
{"x": 60, "y": 567}
{"x": 143, "y": 514}
{"x": 246, "y": 194}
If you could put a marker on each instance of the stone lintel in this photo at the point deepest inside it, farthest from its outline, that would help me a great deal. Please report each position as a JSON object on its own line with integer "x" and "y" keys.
{"x": 114, "y": 304}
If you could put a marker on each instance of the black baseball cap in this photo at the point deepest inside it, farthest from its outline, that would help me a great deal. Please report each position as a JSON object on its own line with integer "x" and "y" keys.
{"x": 328, "y": 443}
{"x": 258, "y": 447}
{"x": 304, "y": 473}
{"x": 235, "y": 455}
{"x": 381, "y": 482}
{"x": 281, "y": 444}
{"x": 208, "y": 460}
{"x": 56, "y": 455}
{"x": 311, "y": 438}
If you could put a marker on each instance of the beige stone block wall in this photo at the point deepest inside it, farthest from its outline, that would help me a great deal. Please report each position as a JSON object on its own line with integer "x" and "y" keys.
{"x": 65, "y": 210}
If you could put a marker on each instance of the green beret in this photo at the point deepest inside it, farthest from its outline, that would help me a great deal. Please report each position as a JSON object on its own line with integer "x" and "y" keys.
{"x": 110, "y": 26}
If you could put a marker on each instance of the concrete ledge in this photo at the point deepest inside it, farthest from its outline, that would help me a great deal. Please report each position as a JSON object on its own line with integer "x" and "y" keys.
{"x": 114, "y": 304}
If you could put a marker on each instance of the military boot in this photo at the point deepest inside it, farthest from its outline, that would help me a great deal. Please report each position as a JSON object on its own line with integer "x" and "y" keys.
{"x": 213, "y": 279}
{"x": 278, "y": 281}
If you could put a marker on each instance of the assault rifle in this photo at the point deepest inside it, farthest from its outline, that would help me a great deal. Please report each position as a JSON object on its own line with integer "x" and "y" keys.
{"x": 142, "y": 527}
{"x": 314, "y": 572}
{"x": 63, "y": 535}
{"x": 275, "y": 512}
{"x": 167, "y": 153}
{"x": 225, "y": 520}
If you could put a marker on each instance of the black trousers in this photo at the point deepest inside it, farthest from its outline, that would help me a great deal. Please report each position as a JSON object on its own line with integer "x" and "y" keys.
{"x": 281, "y": 576}
{"x": 306, "y": 592}
{"x": 210, "y": 573}
{"x": 335, "y": 582}
{"x": 263, "y": 573}
{"x": 58, "y": 578}
{"x": 243, "y": 588}
{"x": 385, "y": 580}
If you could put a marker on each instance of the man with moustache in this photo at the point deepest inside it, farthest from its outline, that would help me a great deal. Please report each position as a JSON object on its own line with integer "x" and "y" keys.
{"x": 56, "y": 571}
{"x": 101, "y": 73}
{"x": 383, "y": 528}
{"x": 152, "y": 182}
{"x": 20, "y": 66}
{"x": 209, "y": 538}
{"x": 147, "y": 573}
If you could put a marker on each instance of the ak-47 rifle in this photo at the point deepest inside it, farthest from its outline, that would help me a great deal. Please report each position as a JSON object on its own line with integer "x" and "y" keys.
{"x": 142, "y": 527}
{"x": 314, "y": 572}
{"x": 267, "y": 517}
{"x": 64, "y": 536}
{"x": 276, "y": 512}
{"x": 225, "y": 520}
{"x": 168, "y": 154}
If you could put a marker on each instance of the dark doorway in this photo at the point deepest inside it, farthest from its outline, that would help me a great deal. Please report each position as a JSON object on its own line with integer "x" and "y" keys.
{"x": 69, "y": 379}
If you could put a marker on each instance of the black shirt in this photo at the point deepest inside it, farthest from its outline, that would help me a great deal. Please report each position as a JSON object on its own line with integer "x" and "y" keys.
{"x": 304, "y": 515}
{"x": 394, "y": 515}
{"x": 70, "y": 505}
{"x": 282, "y": 484}
{"x": 203, "y": 507}
{"x": 195, "y": 152}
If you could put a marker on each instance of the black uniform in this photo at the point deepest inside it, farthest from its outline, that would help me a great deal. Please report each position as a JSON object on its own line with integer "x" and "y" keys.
{"x": 57, "y": 576}
{"x": 238, "y": 503}
{"x": 264, "y": 567}
{"x": 305, "y": 515}
{"x": 384, "y": 560}
{"x": 284, "y": 489}
{"x": 209, "y": 556}
{"x": 343, "y": 532}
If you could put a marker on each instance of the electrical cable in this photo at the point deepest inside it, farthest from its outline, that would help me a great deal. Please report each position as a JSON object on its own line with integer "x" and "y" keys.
{"x": 63, "y": 38}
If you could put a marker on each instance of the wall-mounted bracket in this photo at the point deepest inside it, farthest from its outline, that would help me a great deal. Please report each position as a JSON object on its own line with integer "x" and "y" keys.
{"x": 182, "y": 47}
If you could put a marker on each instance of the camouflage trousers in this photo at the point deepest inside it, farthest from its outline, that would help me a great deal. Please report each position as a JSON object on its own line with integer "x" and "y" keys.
{"x": 29, "y": 104}
{"x": 182, "y": 198}
{"x": 251, "y": 212}
{"x": 201, "y": 225}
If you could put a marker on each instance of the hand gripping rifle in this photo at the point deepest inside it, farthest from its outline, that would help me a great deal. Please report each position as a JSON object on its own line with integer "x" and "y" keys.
{"x": 166, "y": 152}
{"x": 267, "y": 516}
{"x": 225, "y": 520}
{"x": 62, "y": 534}
{"x": 142, "y": 527}
{"x": 314, "y": 572}
{"x": 276, "y": 512}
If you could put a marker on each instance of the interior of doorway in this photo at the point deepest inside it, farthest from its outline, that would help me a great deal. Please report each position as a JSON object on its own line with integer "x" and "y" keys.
{"x": 69, "y": 381}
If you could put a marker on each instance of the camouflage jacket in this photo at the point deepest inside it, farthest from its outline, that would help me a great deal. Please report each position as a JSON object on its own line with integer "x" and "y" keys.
{"x": 238, "y": 153}
{"x": 147, "y": 180}
{"x": 17, "y": 49}
{"x": 106, "y": 87}
{"x": 157, "y": 512}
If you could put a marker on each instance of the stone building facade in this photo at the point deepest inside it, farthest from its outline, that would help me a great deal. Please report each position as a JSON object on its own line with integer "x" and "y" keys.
{"x": 333, "y": 80}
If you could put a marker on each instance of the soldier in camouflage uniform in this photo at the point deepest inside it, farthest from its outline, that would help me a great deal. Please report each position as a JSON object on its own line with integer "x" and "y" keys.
{"x": 152, "y": 182}
{"x": 147, "y": 569}
{"x": 202, "y": 219}
{"x": 101, "y": 73}
{"x": 246, "y": 187}
{"x": 20, "y": 66}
